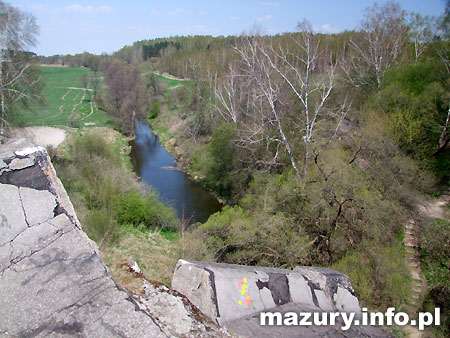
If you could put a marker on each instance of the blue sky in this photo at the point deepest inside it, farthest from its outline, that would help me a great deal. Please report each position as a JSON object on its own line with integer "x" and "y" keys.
{"x": 96, "y": 26}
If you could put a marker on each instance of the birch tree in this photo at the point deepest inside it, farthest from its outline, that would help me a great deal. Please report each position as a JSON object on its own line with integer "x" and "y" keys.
{"x": 380, "y": 45}
{"x": 18, "y": 82}
{"x": 268, "y": 75}
{"x": 420, "y": 32}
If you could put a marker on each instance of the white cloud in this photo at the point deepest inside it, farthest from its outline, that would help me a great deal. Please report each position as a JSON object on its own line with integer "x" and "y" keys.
{"x": 104, "y": 8}
{"x": 44, "y": 8}
{"x": 265, "y": 18}
{"x": 326, "y": 28}
{"x": 270, "y": 4}
{"x": 234, "y": 18}
{"x": 87, "y": 9}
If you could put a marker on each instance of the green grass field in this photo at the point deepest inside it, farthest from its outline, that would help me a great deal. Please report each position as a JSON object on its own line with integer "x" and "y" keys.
{"x": 170, "y": 82}
{"x": 66, "y": 104}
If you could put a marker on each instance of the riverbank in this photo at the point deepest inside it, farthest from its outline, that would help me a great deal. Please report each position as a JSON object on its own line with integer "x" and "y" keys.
{"x": 95, "y": 168}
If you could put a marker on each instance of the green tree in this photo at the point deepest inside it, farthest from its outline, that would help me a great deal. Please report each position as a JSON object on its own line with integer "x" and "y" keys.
{"x": 18, "y": 81}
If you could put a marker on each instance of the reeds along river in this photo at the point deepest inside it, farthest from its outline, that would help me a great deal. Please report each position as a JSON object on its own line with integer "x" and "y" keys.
{"x": 174, "y": 187}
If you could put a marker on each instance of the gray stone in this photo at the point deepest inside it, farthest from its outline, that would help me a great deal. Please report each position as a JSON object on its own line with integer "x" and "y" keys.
{"x": 300, "y": 291}
{"x": 32, "y": 240}
{"x": 65, "y": 285}
{"x": 328, "y": 280}
{"x": 12, "y": 218}
{"x": 166, "y": 308}
{"x": 271, "y": 290}
{"x": 324, "y": 302}
{"x": 195, "y": 283}
{"x": 21, "y": 163}
{"x": 345, "y": 301}
{"x": 62, "y": 222}
{"x": 38, "y": 205}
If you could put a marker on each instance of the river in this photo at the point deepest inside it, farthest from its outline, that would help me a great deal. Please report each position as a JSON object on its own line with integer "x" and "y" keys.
{"x": 174, "y": 187}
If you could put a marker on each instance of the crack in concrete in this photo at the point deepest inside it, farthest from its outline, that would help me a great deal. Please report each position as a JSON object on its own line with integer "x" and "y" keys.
{"x": 13, "y": 260}
{"x": 147, "y": 312}
{"x": 23, "y": 207}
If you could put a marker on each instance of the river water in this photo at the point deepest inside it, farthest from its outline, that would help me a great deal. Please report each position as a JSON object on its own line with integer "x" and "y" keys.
{"x": 174, "y": 187}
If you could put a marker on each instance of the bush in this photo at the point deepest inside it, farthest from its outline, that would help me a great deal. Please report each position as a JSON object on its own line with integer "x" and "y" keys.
{"x": 379, "y": 275}
{"x": 132, "y": 208}
{"x": 98, "y": 182}
{"x": 237, "y": 236}
{"x": 155, "y": 110}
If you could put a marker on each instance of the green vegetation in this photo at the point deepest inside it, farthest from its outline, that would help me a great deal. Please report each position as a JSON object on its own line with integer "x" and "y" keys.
{"x": 170, "y": 82}
{"x": 65, "y": 103}
{"x": 435, "y": 252}
{"x": 115, "y": 210}
{"x": 154, "y": 110}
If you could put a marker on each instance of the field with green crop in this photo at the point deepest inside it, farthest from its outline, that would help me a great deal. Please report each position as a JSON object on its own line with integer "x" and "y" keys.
{"x": 65, "y": 102}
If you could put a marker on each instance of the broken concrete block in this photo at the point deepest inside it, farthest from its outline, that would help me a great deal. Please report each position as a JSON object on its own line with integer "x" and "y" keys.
{"x": 21, "y": 163}
{"x": 345, "y": 301}
{"x": 38, "y": 205}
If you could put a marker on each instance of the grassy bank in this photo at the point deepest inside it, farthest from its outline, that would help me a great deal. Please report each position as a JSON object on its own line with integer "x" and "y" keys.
{"x": 123, "y": 217}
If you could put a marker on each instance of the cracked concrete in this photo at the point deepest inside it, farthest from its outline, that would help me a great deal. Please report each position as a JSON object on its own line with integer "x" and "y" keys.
{"x": 53, "y": 280}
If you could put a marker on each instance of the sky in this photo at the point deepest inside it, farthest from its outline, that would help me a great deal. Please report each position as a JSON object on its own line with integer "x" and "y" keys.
{"x": 97, "y": 26}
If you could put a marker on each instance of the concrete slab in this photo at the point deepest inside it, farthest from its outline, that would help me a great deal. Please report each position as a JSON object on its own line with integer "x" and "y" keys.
{"x": 21, "y": 163}
{"x": 38, "y": 205}
{"x": 12, "y": 218}
{"x": 345, "y": 301}
{"x": 300, "y": 291}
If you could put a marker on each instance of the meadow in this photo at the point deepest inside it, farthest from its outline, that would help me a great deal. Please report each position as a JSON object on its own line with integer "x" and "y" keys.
{"x": 66, "y": 103}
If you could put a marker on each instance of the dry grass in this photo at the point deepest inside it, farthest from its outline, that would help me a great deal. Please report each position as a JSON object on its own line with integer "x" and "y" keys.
{"x": 155, "y": 255}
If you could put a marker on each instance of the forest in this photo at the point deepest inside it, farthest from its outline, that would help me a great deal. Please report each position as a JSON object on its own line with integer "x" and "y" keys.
{"x": 321, "y": 145}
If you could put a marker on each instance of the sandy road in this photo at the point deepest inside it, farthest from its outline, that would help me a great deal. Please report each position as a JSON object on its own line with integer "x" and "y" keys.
{"x": 42, "y": 136}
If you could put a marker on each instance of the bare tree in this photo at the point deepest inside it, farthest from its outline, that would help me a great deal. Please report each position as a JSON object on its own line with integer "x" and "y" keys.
{"x": 298, "y": 74}
{"x": 18, "y": 32}
{"x": 382, "y": 43}
{"x": 420, "y": 32}
{"x": 124, "y": 94}
{"x": 254, "y": 96}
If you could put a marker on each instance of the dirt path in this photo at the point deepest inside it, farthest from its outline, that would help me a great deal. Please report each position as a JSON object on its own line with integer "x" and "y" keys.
{"x": 42, "y": 136}
{"x": 171, "y": 77}
{"x": 64, "y": 96}
{"x": 92, "y": 111}
{"x": 430, "y": 209}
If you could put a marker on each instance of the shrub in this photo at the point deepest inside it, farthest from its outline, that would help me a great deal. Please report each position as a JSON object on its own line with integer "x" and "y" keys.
{"x": 378, "y": 273}
{"x": 133, "y": 208}
{"x": 154, "y": 110}
{"x": 237, "y": 236}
